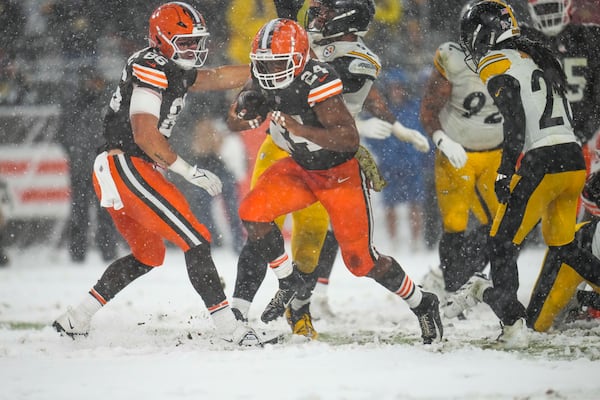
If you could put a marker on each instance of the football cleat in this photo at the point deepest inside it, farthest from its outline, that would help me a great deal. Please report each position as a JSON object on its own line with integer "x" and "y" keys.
{"x": 428, "y": 314}
{"x": 301, "y": 322}
{"x": 288, "y": 288}
{"x": 243, "y": 335}
{"x": 73, "y": 323}
{"x": 467, "y": 296}
{"x": 278, "y": 304}
{"x": 514, "y": 336}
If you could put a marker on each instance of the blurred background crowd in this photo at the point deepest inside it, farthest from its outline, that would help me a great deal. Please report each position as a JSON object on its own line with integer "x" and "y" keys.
{"x": 61, "y": 59}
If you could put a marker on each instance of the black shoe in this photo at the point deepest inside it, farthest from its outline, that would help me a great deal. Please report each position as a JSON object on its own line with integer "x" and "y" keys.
{"x": 288, "y": 287}
{"x": 428, "y": 314}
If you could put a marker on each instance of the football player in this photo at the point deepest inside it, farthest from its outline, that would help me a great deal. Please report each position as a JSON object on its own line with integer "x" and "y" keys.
{"x": 528, "y": 86}
{"x": 557, "y": 285}
{"x": 128, "y": 173}
{"x": 465, "y": 125}
{"x": 578, "y": 49}
{"x": 335, "y": 29}
{"x": 310, "y": 121}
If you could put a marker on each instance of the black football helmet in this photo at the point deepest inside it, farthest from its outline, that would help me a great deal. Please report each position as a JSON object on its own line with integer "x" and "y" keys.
{"x": 327, "y": 19}
{"x": 483, "y": 27}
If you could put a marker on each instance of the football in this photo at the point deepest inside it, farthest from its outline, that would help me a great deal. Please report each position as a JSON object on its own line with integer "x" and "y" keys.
{"x": 251, "y": 104}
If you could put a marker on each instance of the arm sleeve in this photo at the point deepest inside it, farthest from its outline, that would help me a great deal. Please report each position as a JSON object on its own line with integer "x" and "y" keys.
{"x": 505, "y": 90}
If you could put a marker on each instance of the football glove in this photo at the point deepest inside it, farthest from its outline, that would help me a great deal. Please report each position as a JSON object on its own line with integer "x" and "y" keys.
{"x": 199, "y": 177}
{"x": 251, "y": 104}
{"x": 411, "y": 136}
{"x": 373, "y": 128}
{"x": 454, "y": 151}
{"x": 371, "y": 170}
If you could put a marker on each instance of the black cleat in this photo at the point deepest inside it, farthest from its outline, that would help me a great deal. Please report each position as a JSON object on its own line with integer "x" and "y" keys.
{"x": 428, "y": 314}
{"x": 288, "y": 288}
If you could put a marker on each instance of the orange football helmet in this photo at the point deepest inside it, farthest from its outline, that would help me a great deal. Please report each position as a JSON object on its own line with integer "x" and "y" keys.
{"x": 179, "y": 32}
{"x": 280, "y": 51}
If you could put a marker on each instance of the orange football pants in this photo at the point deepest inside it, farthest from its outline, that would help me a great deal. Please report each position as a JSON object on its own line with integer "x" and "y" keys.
{"x": 154, "y": 209}
{"x": 286, "y": 187}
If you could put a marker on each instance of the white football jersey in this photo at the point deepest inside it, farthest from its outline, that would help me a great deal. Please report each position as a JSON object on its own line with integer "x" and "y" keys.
{"x": 548, "y": 114}
{"x": 470, "y": 116}
{"x": 357, "y": 66}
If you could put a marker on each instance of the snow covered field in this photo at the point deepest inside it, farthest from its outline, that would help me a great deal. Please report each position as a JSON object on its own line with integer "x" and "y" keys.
{"x": 153, "y": 342}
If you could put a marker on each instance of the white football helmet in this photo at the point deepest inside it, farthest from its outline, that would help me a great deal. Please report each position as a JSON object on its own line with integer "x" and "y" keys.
{"x": 550, "y": 16}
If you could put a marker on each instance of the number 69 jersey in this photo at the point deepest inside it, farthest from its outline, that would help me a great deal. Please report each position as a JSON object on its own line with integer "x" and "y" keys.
{"x": 148, "y": 69}
{"x": 470, "y": 116}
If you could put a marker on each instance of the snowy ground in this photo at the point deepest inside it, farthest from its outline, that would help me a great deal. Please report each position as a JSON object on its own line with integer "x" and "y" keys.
{"x": 153, "y": 342}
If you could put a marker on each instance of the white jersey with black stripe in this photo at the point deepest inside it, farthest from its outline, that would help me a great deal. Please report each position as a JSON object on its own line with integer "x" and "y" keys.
{"x": 470, "y": 116}
{"x": 548, "y": 113}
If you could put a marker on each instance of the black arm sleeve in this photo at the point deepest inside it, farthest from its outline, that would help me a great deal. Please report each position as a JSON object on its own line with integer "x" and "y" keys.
{"x": 505, "y": 90}
{"x": 288, "y": 8}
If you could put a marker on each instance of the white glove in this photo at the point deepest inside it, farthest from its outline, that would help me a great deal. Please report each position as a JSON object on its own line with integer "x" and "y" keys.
{"x": 454, "y": 151}
{"x": 199, "y": 177}
{"x": 416, "y": 138}
{"x": 373, "y": 128}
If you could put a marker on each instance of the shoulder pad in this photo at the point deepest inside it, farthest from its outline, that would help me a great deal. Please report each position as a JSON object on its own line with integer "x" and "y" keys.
{"x": 449, "y": 57}
{"x": 149, "y": 68}
{"x": 150, "y": 76}
{"x": 362, "y": 66}
{"x": 327, "y": 83}
{"x": 496, "y": 63}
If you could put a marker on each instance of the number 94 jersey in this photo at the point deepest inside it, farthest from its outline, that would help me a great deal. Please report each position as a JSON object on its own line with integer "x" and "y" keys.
{"x": 470, "y": 116}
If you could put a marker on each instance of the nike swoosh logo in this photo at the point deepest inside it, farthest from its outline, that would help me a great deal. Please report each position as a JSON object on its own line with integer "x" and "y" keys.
{"x": 342, "y": 180}
{"x": 70, "y": 324}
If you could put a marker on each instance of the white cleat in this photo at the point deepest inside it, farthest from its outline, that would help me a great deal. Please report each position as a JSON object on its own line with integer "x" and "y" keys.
{"x": 467, "y": 296}
{"x": 515, "y": 336}
{"x": 242, "y": 335}
{"x": 73, "y": 323}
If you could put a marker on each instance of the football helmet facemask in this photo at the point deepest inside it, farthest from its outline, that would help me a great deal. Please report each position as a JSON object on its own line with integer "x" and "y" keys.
{"x": 483, "y": 26}
{"x": 550, "y": 16}
{"x": 280, "y": 50}
{"x": 179, "y": 32}
{"x": 327, "y": 19}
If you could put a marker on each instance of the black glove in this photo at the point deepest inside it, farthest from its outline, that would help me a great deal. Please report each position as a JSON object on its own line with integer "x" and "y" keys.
{"x": 251, "y": 104}
{"x": 502, "y": 187}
